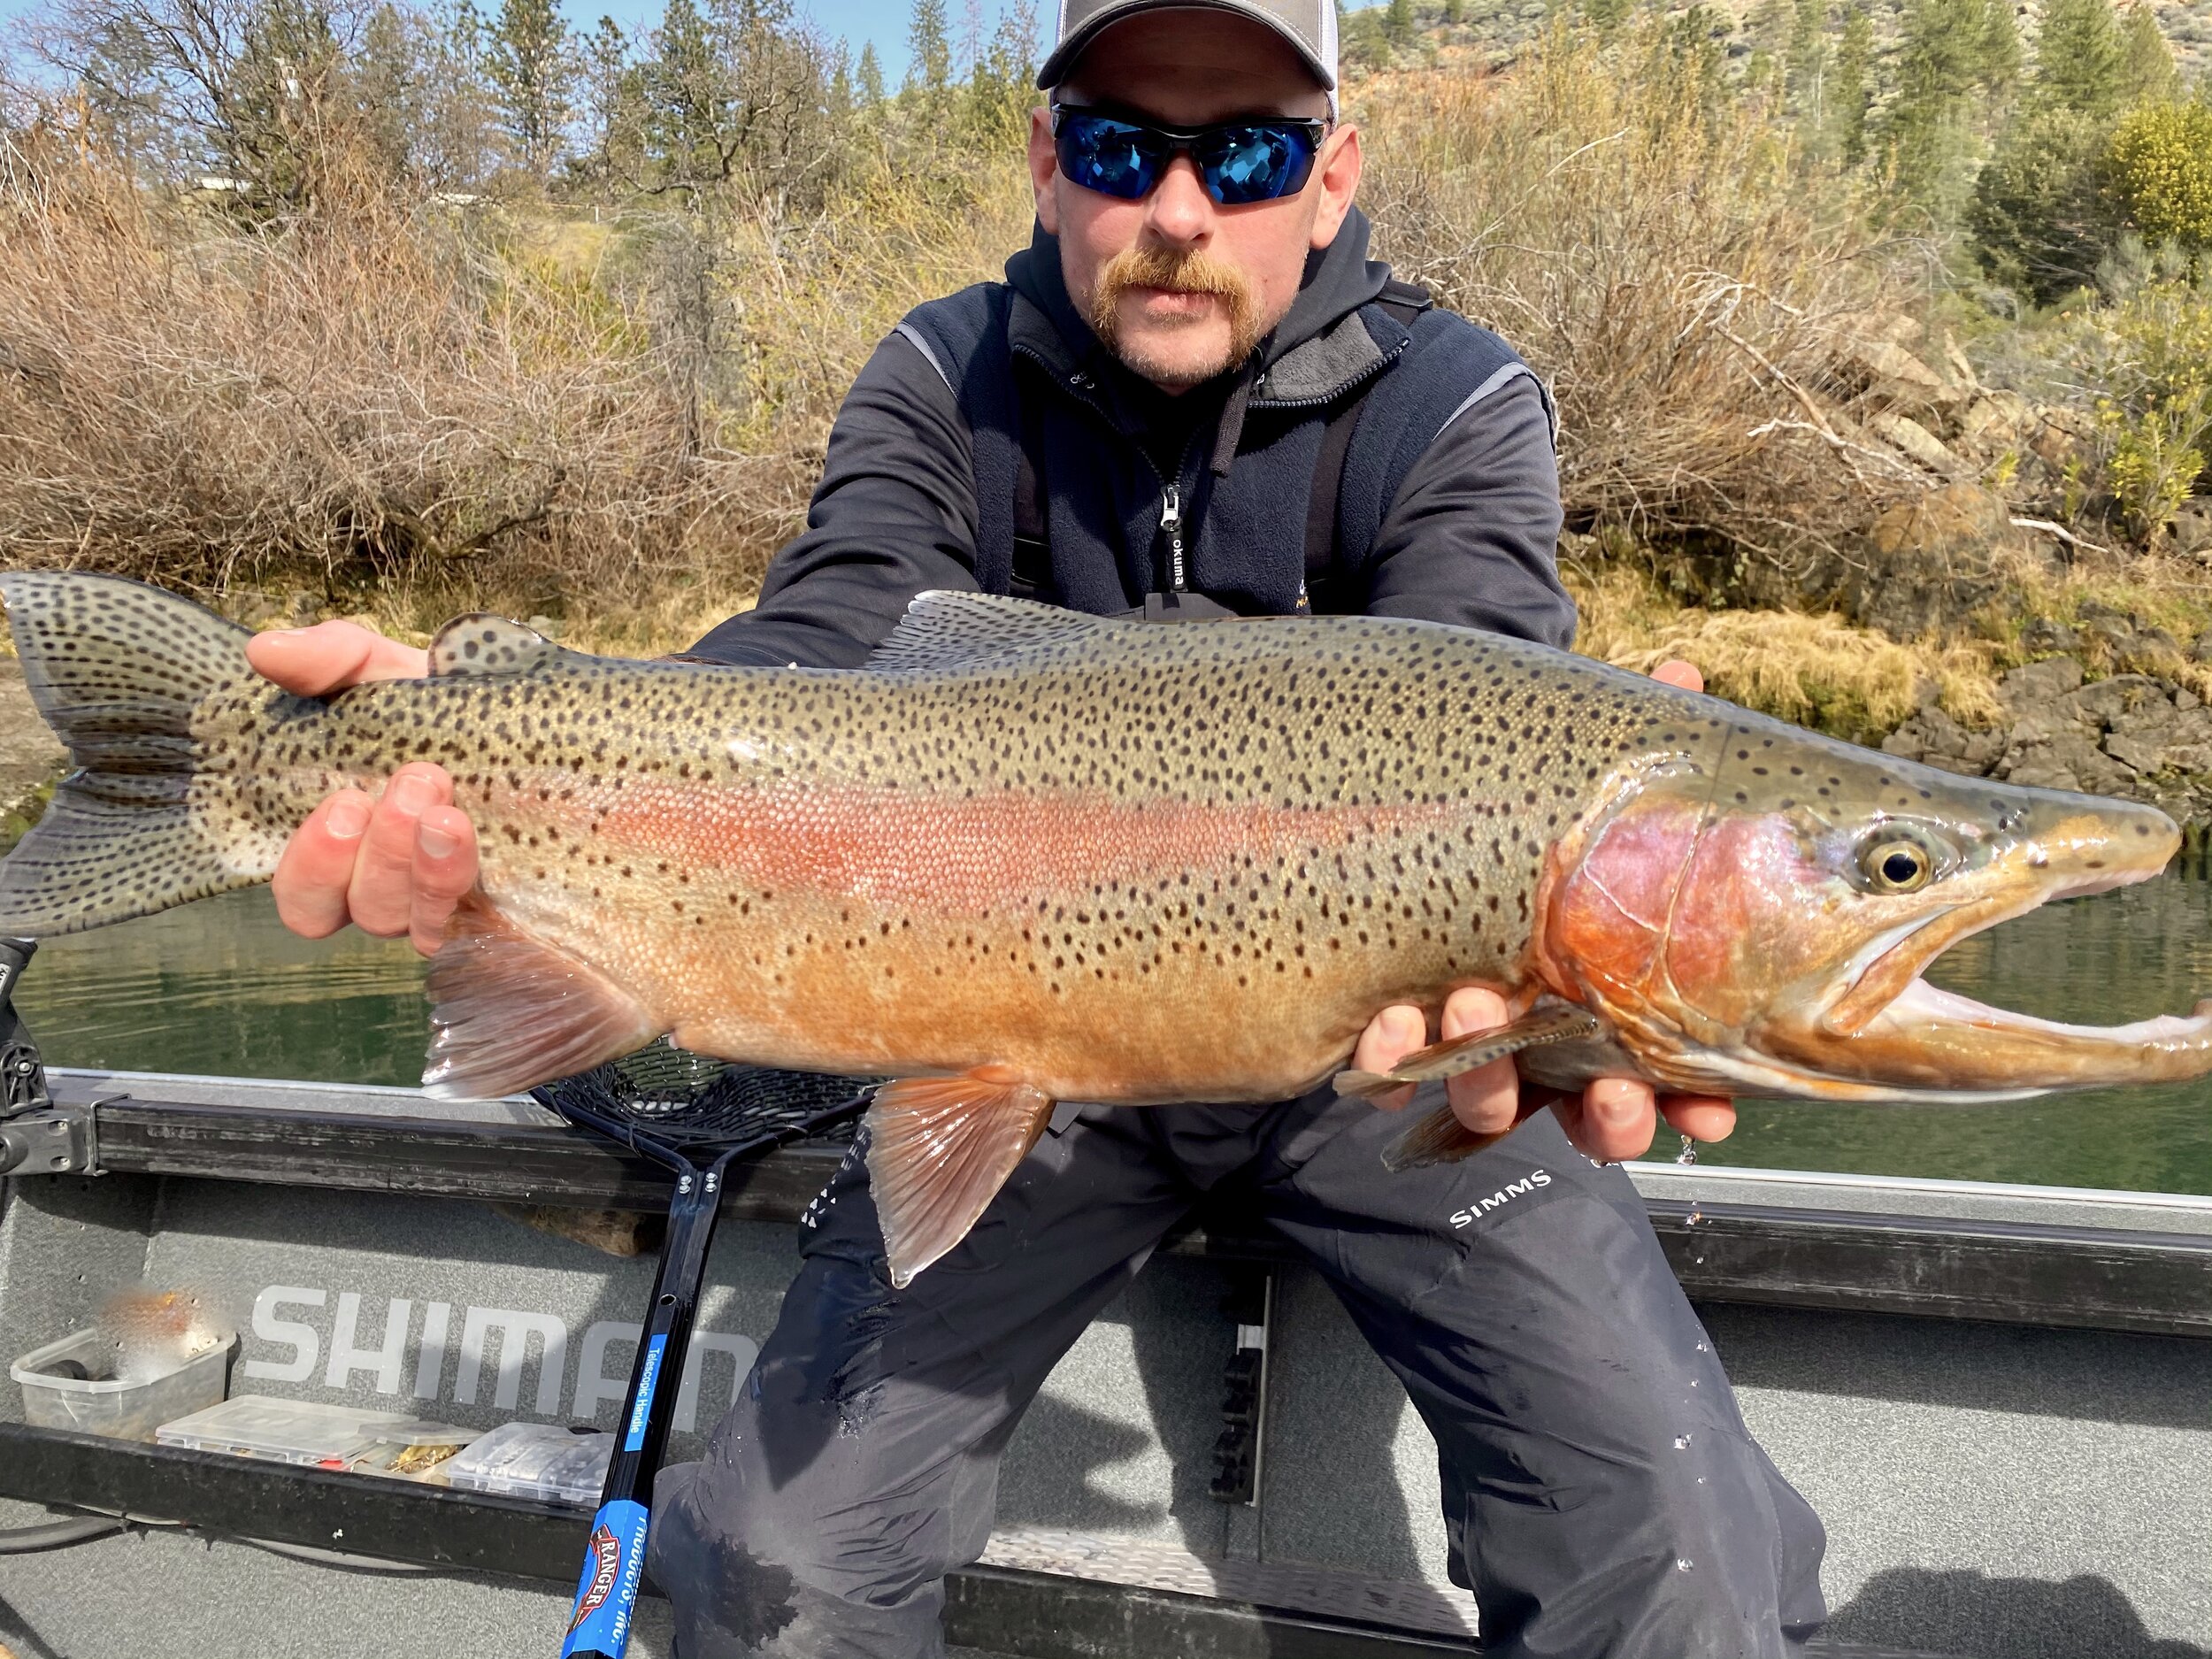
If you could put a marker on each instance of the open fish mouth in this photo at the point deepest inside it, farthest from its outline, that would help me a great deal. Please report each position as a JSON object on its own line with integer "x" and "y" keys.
{"x": 1894, "y": 1035}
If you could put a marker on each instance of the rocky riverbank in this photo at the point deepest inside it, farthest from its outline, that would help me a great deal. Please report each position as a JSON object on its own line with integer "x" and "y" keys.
{"x": 2137, "y": 735}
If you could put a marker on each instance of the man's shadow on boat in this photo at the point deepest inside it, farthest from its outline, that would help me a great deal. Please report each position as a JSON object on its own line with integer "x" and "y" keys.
{"x": 1124, "y": 1439}
{"x": 1972, "y": 1615}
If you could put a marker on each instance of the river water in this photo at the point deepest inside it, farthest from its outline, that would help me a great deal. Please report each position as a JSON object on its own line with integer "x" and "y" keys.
{"x": 221, "y": 988}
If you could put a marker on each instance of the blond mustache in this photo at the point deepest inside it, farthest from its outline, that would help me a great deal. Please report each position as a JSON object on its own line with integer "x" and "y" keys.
{"x": 1188, "y": 272}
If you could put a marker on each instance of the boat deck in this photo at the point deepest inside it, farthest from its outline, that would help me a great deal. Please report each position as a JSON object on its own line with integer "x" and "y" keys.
{"x": 1996, "y": 1396}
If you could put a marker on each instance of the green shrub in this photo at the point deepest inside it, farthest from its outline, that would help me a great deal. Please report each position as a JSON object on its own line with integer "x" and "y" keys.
{"x": 2161, "y": 164}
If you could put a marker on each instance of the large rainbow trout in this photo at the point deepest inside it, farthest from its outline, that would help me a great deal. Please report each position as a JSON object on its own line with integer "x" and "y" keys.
{"x": 1027, "y": 855}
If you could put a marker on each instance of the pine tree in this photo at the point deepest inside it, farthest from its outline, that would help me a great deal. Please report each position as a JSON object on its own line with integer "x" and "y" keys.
{"x": 1398, "y": 23}
{"x": 1454, "y": 12}
{"x": 2148, "y": 73}
{"x": 2001, "y": 51}
{"x": 1945, "y": 69}
{"x": 870, "y": 76}
{"x": 1808, "y": 56}
{"x": 688, "y": 102}
{"x": 2040, "y": 218}
{"x": 453, "y": 144}
{"x": 931, "y": 71}
{"x": 2079, "y": 58}
{"x": 617, "y": 90}
{"x": 1851, "y": 94}
{"x": 530, "y": 71}
{"x": 386, "y": 79}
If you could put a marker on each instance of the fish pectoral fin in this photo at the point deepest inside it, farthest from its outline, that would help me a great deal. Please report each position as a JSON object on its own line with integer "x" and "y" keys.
{"x": 938, "y": 1150}
{"x": 1438, "y": 1138}
{"x": 508, "y": 1011}
{"x": 482, "y": 643}
{"x": 1559, "y": 1023}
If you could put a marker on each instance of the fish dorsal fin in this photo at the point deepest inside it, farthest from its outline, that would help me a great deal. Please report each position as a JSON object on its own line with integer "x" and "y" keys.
{"x": 938, "y": 1150}
{"x": 945, "y": 633}
{"x": 482, "y": 643}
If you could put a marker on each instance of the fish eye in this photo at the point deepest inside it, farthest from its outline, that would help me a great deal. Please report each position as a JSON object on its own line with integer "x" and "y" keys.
{"x": 1894, "y": 865}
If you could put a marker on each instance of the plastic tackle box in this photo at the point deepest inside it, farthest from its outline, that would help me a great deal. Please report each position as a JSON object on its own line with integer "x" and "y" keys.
{"x": 305, "y": 1431}
{"x": 535, "y": 1460}
{"x": 119, "y": 1410}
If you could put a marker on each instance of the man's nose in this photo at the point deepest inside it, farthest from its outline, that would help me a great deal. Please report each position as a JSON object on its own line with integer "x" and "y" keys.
{"x": 1180, "y": 212}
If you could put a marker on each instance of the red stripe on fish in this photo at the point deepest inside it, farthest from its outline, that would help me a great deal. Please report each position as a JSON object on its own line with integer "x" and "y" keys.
{"x": 971, "y": 854}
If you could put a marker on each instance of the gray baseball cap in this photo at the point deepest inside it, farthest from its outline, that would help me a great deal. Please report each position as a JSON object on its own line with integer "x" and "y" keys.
{"x": 1310, "y": 25}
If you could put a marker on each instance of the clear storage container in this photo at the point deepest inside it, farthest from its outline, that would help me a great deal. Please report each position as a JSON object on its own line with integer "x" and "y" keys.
{"x": 119, "y": 1410}
{"x": 311, "y": 1433}
{"x": 283, "y": 1430}
{"x": 413, "y": 1451}
{"x": 535, "y": 1460}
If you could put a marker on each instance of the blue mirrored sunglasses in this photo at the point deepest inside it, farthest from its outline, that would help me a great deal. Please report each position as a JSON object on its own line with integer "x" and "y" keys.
{"x": 1238, "y": 161}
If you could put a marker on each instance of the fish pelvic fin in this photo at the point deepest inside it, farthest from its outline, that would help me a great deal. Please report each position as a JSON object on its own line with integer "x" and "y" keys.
{"x": 1438, "y": 1138}
{"x": 508, "y": 1011}
{"x": 145, "y": 821}
{"x": 1561, "y": 1023}
{"x": 938, "y": 1150}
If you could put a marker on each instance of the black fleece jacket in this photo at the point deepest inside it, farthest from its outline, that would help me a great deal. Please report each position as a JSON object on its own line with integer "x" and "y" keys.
{"x": 1469, "y": 537}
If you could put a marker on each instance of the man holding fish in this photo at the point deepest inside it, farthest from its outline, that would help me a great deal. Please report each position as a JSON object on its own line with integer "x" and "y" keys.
{"x": 1193, "y": 394}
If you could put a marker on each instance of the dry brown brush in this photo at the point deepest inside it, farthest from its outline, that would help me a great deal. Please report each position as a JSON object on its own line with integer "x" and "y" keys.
{"x": 411, "y": 403}
{"x": 369, "y": 397}
{"x": 1664, "y": 258}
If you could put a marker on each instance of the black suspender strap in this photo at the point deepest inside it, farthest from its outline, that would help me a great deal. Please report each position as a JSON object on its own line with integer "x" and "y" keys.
{"x": 1032, "y": 539}
{"x": 1327, "y": 587}
{"x": 1324, "y": 575}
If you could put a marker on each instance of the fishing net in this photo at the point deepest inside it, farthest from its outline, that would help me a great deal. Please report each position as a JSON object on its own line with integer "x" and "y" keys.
{"x": 686, "y": 1099}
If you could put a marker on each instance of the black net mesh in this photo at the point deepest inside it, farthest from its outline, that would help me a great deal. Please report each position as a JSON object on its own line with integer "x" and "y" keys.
{"x": 689, "y": 1099}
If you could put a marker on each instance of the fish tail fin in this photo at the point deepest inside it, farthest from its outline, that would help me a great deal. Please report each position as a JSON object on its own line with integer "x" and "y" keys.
{"x": 119, "y": 671}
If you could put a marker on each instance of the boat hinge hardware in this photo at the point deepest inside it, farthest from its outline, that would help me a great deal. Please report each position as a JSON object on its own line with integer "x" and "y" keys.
{"x": 60, "y": 1141}
{"x": 1251, "y": 1303}
{"x": 22, "y": 1073}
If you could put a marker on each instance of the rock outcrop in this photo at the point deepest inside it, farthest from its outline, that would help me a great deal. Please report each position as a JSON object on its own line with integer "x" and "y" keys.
{"x": 2137, "y": 735}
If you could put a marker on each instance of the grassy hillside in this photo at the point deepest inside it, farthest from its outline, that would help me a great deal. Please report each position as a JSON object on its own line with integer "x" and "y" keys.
{"x": 1493, "y": 31}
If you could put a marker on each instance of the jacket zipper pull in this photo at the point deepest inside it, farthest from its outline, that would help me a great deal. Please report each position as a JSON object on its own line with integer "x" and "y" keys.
{"x": 1172, "y": 527}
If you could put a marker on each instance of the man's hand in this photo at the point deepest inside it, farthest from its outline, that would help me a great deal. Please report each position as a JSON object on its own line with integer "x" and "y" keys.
{"x": 1615, "y": 1118}
{"x": 396, "y": 863}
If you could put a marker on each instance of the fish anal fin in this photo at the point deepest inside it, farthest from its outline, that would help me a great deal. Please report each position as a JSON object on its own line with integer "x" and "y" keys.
{"x": 509, "y": 1010}
{"x": 938, "y": 1150}
{"x": 1438, "y": 1138}
{"x": 482, "y": 643}
{"x": 1559, "y": 1023}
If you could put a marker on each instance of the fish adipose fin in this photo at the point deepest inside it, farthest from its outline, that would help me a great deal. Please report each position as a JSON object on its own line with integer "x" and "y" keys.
{"x": 1455, "y": 1055}
{"x": 118, "y": 669}
{"x": 944, "y": 632}
{"x": 938, "y": 1150}
{"x": 509, "y": 1012}
{"x": 482, "y": 643}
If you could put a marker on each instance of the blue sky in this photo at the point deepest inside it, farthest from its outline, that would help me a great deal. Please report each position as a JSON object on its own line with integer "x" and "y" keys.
{"x": 860, "y": 21}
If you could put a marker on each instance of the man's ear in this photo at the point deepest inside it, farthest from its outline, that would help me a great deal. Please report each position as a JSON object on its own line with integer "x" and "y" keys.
{"x": 1339, "y": 170}
{"x": 1044, "y": 170}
